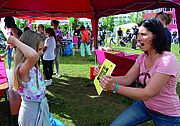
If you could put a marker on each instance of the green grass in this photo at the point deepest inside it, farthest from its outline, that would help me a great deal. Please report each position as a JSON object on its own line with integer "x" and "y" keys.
{"x": 74, "y": 100}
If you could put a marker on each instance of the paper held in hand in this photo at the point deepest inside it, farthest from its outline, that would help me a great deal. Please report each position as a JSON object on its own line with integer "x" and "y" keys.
{"x": 106, "y": 68}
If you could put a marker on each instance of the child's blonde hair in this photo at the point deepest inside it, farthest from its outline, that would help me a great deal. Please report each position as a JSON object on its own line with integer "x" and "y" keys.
{"x": 31, "y": 39}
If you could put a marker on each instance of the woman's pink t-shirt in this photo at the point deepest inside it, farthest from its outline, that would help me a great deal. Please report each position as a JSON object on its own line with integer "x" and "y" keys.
{"x": 166, "y": 101}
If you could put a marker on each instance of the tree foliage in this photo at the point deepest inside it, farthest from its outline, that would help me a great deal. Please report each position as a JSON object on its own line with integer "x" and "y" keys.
{"x": 136, "y": 17}
{"x": 121, "y": 21}
{"x": 21, "y": 23}
{"x": 108, "y": 23}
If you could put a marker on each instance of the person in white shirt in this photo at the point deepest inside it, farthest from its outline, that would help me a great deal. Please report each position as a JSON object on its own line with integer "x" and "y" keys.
{"x": 49, "y": 56}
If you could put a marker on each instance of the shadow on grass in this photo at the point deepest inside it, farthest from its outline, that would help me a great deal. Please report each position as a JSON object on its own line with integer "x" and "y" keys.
{"x": 76, "y": 100}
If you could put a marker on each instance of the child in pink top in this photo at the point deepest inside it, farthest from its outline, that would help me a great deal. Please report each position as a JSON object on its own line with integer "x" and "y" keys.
{"x": 155, "y": 74}
{"x": 75, "y": 40}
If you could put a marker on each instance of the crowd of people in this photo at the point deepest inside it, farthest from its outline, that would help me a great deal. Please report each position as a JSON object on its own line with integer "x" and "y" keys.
{"x": 129, "y": 37}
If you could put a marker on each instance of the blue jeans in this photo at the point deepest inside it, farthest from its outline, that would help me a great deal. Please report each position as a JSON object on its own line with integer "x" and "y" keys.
{"x": 138, "y": 113}
{"x": 9, "y": 57}
{"x": 83, "y": 47}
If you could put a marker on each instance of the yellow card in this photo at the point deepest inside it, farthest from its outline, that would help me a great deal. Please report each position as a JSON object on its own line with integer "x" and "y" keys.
{"x": 106, "y": 68}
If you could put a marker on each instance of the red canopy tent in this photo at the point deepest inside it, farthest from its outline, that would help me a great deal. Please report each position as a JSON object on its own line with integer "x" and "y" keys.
{"x": 93, "y": 9}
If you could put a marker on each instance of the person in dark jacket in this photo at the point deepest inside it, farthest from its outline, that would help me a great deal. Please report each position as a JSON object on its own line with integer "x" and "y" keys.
{"x": 165, "y": 19}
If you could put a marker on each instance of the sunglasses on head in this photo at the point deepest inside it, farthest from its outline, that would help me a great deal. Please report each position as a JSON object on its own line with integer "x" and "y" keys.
{"x": 149, "y": 21}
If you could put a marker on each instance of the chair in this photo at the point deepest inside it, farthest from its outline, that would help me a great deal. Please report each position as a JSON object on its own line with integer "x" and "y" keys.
{"x": 3, "y": 94}
{"x": 62, "y": 47}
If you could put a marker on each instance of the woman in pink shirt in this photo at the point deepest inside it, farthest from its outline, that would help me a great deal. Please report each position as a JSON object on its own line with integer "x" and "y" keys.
{"x": 157, "y": 72}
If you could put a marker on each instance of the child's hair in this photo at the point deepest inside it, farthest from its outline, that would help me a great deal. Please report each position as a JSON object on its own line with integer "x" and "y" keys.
{"x": 165, "y": 17}
{"x": 54, "y": 22}
{"x": 51, "y": 32}
{"x": 41, "y": 26}
{"x": 31, "y": 39}
{"x": 26, "y": 28}
{"x": 82, "y": 27}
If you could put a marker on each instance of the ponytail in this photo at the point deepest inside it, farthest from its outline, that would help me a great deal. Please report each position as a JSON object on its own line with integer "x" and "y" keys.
{"x": 169, "y": 19}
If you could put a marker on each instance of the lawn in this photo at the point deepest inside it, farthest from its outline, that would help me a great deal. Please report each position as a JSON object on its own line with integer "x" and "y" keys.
{"x": 73, "y": 99}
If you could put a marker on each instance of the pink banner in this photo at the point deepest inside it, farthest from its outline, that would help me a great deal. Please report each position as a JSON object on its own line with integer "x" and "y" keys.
{"x": 3, "y": 76}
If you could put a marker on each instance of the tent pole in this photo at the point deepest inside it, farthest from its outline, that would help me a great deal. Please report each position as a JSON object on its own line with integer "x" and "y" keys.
{"x": 94, "y": 22}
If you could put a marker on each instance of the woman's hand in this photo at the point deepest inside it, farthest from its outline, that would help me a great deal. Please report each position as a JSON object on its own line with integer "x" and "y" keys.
{"x": 96, "y": 70}
{"x": 12, "y": 41}
{"x": 107, "y": 82}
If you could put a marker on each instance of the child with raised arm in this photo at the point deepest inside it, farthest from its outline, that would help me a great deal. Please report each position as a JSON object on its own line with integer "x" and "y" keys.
{"x": 28, "y": 81}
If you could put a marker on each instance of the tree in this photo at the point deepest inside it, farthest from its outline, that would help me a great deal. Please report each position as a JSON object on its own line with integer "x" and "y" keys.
{"x": 21, "y": 23}
{"x": 73, "y": 22}
{"x": 110, "y": 20}
{"x": 104, "y": 24}
{"x": 64, "y": 28}
{"x": 136, "y": 17}
{"x": 121, "y": 21}
{"x": 108, "y": 23}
